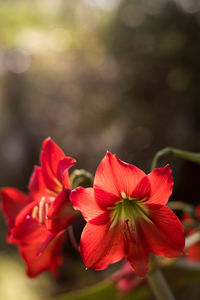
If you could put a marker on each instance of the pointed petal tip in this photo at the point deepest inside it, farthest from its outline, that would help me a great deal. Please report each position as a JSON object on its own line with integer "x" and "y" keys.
{"x": 79, "y": 188}
{"x": 108, "y": 153}
{"x": 46, "y": 141}
{"x": 165, "y": 170}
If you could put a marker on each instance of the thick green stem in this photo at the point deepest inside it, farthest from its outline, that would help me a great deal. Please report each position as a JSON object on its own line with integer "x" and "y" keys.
{"x": 191, "y": 156}
{"x": 157, "y": 282}
{"x": 159, "y": 285}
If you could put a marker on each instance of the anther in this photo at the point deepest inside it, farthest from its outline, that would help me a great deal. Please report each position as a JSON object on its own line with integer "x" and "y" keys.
{"x": 41, "y": 213}
{"x": 34, "y": 212}
{"x": 123, "y": 194}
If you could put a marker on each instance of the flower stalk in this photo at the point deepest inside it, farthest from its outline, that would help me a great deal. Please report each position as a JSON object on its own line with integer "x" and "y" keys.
{"x": 159, "y": 285}
{"x": 168, "y": 151}
{"x": 72, "y": 239}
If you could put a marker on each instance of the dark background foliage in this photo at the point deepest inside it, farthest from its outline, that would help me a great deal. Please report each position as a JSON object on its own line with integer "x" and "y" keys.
{"x": 94, "y": 75}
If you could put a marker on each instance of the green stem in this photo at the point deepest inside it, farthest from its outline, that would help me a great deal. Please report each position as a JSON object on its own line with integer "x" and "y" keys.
{"x": 159, "y": 285}
{"x": 190, "y": 156}
{"x": 72, "y": 239}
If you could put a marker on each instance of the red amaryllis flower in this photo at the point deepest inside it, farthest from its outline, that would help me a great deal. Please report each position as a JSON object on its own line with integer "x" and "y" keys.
{"x": 126, "y": 280}
{"x": 126, "y": 216}
{"x": 192, "y": 252}
{"x": 37, "y": 221}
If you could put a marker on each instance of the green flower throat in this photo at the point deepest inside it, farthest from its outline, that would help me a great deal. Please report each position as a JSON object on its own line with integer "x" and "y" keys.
{"x": 129, "y": 209}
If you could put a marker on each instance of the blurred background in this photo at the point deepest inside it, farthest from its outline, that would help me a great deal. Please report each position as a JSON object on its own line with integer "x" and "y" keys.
{"x": 95, "y": 75}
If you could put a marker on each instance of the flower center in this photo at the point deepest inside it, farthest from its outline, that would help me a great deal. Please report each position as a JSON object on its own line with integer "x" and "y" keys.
{"x": 40, "y": 211}
{"x": 128, "y": 209}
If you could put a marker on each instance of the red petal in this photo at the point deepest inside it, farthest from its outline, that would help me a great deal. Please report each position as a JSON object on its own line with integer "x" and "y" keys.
{"x": 193, "y": 252}
{"x": 116, "y": 176}
{"x": 100, "y": 219}
{"x": 36, "y": 183}
{"x": 83, "y": 200}
{"x": 50, "y": 159}
{"x": 49, "y": 259}
{"x": 63, "y": 171}
{"x": 61, "y": 213}
{"x": 143, "y": 189}
{"x": 126, "y": 280}
{"x": 161, "y": 185}
{"x": 165, "y": 234}
{"x": 26, "y": 229}
{"x": 12, "y": 202}
{"x": 104, "y": 199}
{"x": 198, "y": 212}
{"x": 136, "y": 250}
{"x": 101, "y": 245}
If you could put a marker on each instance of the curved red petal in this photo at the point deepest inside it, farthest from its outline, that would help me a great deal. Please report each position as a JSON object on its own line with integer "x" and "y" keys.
{"x": 36, "y": 183}
{"x": 26, "y": 228}
{"x": 137, "y": 251}
{"x": 143, "y": 189}
{"x": 83, "y": 200}
{"x": 49, "y": 259}
{"x": 104, "y": 199}
{"x": 101, "y": 219}
{"x": 13, "y": 202}
{"x": 161, "y": 185}
{"x": 116, "y": 176}
{"x": 51, "y": 155}
{"x": 164, "y": 234}
{"x": 100, "y": 245}
{"x": 63, "y": 171}
{"x": 193, "y": 252}
{"x": 61, "y": 213}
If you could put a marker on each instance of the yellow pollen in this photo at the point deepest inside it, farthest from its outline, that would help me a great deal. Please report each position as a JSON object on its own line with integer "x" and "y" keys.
{"x": 123, "y": 194}
{"x": 34, "y": 212}
{"x": 41, "y": 210}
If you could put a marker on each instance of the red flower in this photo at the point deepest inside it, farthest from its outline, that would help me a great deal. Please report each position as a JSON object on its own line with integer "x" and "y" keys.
{"x": 192, "y": 252}
{"x": 37, "y": 221}
{"x": 126, "y": 216}
{"x": 126, "y": 280}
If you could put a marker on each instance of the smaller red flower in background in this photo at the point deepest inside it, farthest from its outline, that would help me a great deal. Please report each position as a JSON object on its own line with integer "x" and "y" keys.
{"x": 37, "y": 222}
{"x": 192, "y": 252}
{"x": 126, "y": 216}
{"x": 126, "y": 280}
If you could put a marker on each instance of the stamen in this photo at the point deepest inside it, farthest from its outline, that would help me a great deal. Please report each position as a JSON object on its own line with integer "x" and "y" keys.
{"x": 123, "y": 194}
{"x": 41, "y": 214}
{"x": 34, "y": 212}
{"x": 52, "y": 193}
{"x": 46, "y": 210}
